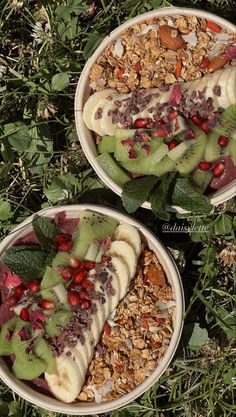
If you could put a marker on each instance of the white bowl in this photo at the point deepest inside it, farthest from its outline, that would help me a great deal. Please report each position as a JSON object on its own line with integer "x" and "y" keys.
{"x": 83, "y": 92}
{"x": 173, "y": 276}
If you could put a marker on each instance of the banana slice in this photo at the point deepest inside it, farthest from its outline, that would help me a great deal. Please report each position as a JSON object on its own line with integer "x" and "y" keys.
{"x": 122, "y": 272}
{"x": 66, "y": 382}
{"x": 130, "y": 235}
{"x": 92, "y": 102}
{"x": 230, "y": 75}
{"x": 123, "y": 250}
{"x": 106, "y": 122}
{"x": 226, "y": 81}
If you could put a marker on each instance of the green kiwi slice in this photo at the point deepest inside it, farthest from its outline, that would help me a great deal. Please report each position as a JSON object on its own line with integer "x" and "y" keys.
{"x": 60, "y": 318}
{"x": 107, "y": 144}
{"x": 112, "y": 168}
{"x": 51, "y": 276}
{"x": 146, "y": 165}
{"x": 26, "y": 365}
{"x": 92, "y": 226}
{"x": 202, "y": 179}
{"x": 43, "y": 351}
{"x": 191, "y": 151}
{"x": 213, "y": 150}
{"x": 228, "y": 128}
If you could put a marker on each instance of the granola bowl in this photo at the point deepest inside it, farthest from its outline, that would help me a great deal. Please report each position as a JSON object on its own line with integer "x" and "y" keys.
{"x": 91, "y": 367}
{"x": 155, "y": 91}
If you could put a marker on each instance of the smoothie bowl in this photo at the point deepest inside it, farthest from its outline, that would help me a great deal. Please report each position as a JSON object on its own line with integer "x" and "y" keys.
{"x": 158, "y": 98}
{"x": 91, "y": 309}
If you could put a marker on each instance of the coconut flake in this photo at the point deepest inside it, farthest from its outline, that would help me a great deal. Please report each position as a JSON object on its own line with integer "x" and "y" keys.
{"x": 147, "y": 28}
{"x": 118, "y": 49}
{"x": 190, "y": 38}
{"x": 221, "y": 36}
{"x": 170, "y": 22}
{"x": 215, "y": 50}
{"x": 102, "y": 391}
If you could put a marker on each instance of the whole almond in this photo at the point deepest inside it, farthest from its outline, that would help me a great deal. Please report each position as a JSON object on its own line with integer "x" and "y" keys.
{"x": 218, "y": 62}
{"x": 170, "y": 38}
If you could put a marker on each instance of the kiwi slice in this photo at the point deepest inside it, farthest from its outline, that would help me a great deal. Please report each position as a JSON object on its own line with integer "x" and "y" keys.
{"x": 92, "y": 252}
{"x": 60, "y": 318}
{"x": 227, "y": 128}
{"x": 194, "y": 150}
{"x": 92, "y": 226}
{"x": 26, "y": 365}
{"x": 61, "y": 259}
{"x": 51, "y": 277}
{"x": 202, "y": 179}
{"x": 6, "y": 345}
{"x": 146, "y": 165}
{"x": 113, "y": 170}
{"x": 107, "y": 144}
{"x": 165, "y": 165}
{"x": 122, "y": 151}
{"x": 43, "y": 351}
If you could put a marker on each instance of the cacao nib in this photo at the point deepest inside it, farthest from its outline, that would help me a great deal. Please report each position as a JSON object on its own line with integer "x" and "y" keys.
{"x": 98, "y": 114}
{"x": 217, "y": 90}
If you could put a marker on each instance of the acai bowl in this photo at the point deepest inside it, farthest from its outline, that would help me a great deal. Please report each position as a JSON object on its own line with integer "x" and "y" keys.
{"x": 158, "y": 98}
{"x": 88, "y": 321}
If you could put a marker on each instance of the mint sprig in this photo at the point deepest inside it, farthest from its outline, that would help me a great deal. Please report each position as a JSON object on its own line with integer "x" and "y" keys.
{"x": 159, "y": 196}
{"x": 135, "y": 192}
{"x": 28, "y": 262}
{"x": 186, "y": 196}
{"x": 45, "y": 231}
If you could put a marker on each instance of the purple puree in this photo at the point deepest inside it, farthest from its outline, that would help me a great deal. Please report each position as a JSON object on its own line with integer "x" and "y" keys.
{"x": 64, "y": 226}
{"x": 228, "y": 175}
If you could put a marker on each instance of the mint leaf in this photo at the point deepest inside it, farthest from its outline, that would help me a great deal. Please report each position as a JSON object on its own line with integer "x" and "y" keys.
{"x": 45, "y": 231}
{"x": 159, "y": 196}
{"x": 28, "y": 262}
{"x": 185, "y": 195}
{"x": 135, "y": 192}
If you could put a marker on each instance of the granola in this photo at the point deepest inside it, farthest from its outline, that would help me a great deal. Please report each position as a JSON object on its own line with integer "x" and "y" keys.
{"x": 139, "y": 59}
{"x": 135, "y": 339}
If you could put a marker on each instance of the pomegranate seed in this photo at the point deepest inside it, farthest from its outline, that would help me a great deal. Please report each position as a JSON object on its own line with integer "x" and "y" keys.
{"x": 137, "y": 67}
{"x": 11, "y": 301}
{"x": 218, "y": 169}
{"x": 73, "y": 286}
{"x": 223, "y": 141}
{"x": 47, "y": 305}
{"x": 161, "y": 133}
{"x": 87, "y": 284}
{"x": 65, "y": 246}
{"x": 82, "y": 294}
{"x": 141, "y": 123}
{"x": 63, "y": 238}
{"x": 197, "y": 120}
{"x": 159, "y": 122}
{"x": 173, "y": 115}
{"x": 80, "y": 276}
{"x": 73, "y": 298}
{"x": 204, "y": 166}
{"x": 75, "y": 263}
{"x": 205, "y": 63}
{"x": 66, "y": 273}
{"x": 85, "y": 304}
{"x": 89, "y": 265}
{"x": 19, "y": 291}
{"x": 173, "y": 143}
{"x": 205, "y": 126}
{"x": 34, "y": 286}
{"x": 24, "y": 314}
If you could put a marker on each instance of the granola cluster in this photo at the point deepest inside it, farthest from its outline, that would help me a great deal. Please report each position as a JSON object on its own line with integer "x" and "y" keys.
{"x": 139, "y": 59}
{"x": 136, "y": 338}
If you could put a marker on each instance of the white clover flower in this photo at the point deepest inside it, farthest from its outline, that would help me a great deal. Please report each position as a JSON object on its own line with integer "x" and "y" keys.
{"x": 16, "y": 6}
{"x": 41, "y": 32}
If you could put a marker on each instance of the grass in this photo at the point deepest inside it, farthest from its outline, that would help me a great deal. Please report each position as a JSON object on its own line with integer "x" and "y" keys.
{"x": 43, "y": 48}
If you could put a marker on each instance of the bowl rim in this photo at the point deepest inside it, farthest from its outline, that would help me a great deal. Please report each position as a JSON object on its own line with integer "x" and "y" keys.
{"x": 219, "y": 196}
{"x": 52, "y": 404}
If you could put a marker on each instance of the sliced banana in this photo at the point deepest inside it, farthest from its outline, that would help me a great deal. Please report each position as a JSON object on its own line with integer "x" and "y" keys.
{"x": 130, "y": 235}
{"x": 66, "y": 382}
{"x": 92, "y": 102}
{"x": 122, "y": 272}
{"x": 106, "y": 122}
{"x": 122, "y": 249}
{"x": 230, "y": 75}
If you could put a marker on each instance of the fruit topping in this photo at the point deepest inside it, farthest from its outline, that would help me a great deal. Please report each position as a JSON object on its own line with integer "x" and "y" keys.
{"x": 85, "y": 304}
{"x": 197, "y": 120}
{"x": 88, "y": 285}
{"x": 223, "y": 141}
{"x": 19, "y": 291}
{"x": 230, "y": 51}
{"x": 172, "y": 144}
{"x": 171, "y": 38}
{"x": 80, "y": 276}
{"x": 73, "y": 298}
{"x": 75, "y": 263}
{"x": 89, "y": 265}
{"x": 47, "y": 304}
{"x": 66, "y": 272}
{"x": 218, "y": 169}
{"x": 141, "y": 123}
{"x": 11, "y": 301}
{"x": 25, "y": 314}
{"x": 34, "y": 286}
{"x": 205, "y": 63}
{"x": 65, "y": 246}
{"x": 205, "y": 126}
{"x": 204, "y": 166}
